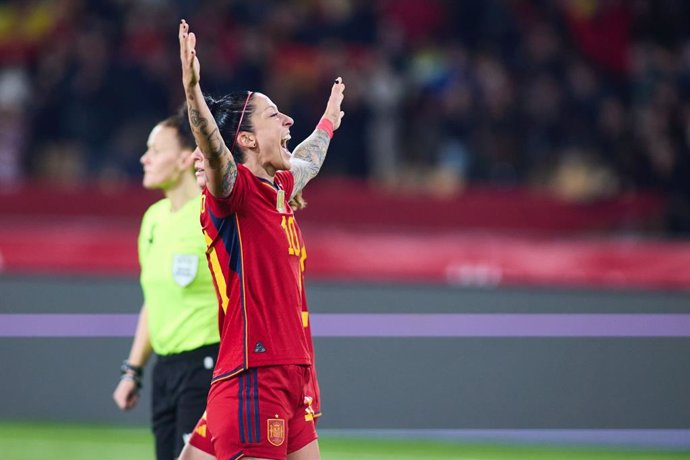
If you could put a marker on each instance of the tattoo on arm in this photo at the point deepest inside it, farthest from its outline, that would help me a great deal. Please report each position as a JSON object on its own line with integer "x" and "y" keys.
{"x": 197, "y": 120}
{"x": 312, "y": 151}
{"x": 214, "y": 150}
{"x": 229, "y": 177}
{"x": 300, "y": 170}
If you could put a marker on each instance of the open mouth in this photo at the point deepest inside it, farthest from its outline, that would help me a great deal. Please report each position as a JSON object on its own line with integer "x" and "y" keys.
{"x": 284, "y": 142}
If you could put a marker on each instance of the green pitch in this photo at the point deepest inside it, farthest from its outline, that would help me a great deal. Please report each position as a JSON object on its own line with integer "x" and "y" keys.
{"x": 72, "y": 442}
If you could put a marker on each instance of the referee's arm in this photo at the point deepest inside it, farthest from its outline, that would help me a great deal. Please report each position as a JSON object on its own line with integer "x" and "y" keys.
{"x": 126, "y": 394}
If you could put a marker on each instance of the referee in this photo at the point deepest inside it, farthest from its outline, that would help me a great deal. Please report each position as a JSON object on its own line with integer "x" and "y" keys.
{"x": 179, "y": 318}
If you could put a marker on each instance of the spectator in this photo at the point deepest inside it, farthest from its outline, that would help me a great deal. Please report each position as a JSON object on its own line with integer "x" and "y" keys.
{"x": 494, "y": 92}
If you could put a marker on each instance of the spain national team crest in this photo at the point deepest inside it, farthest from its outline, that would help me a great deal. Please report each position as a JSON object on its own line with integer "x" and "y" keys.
{"x": 276, "y": 431}
{"x": 184, "y": 268}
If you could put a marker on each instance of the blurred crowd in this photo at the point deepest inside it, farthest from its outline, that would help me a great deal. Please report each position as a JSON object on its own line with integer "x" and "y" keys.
{"x": 583, "y": 98}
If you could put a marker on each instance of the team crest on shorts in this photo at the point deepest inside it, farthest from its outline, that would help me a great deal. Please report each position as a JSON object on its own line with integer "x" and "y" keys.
{"x": 276, "y": 431}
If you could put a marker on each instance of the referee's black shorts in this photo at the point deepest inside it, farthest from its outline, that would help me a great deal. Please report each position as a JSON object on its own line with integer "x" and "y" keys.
{"x": 180, "y": 387}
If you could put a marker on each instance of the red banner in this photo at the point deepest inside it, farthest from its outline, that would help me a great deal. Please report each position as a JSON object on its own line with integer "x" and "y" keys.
{"x": 481, "y": 238}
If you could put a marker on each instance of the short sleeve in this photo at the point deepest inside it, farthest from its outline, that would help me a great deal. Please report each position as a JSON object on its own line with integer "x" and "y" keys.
{"x": 146, "y": 233}
{"x": 223, "y": 207}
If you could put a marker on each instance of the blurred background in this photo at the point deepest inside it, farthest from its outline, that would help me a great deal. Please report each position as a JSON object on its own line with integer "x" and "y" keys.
{"x": 518, "y": 166}
{"x": 589, "y": 99}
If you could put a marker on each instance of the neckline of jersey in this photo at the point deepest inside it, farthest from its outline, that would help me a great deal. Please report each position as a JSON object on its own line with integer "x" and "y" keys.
{"x": 268, "y": 182}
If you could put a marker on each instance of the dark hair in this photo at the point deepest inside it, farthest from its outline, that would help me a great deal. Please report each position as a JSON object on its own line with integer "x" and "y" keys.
{"x": 227, "y": 112}
{"x": 180, "y": 123}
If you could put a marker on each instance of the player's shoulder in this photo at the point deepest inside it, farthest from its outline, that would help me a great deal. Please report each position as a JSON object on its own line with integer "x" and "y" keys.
{"x": 245, "y": 180}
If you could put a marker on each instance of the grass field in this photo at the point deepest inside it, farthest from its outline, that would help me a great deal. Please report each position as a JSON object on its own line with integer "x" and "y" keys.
{"x": 74, "y": 442}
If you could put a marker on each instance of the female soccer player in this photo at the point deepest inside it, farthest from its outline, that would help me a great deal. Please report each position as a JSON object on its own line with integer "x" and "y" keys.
{"x": 199, "y": 445}
{"x": 259, "y": 405}
{"x": 179, "y": 317}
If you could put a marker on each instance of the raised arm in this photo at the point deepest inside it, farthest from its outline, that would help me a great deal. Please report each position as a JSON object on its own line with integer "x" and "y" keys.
{"x": 221, "y": 170}
{"x": 310, "y": 154}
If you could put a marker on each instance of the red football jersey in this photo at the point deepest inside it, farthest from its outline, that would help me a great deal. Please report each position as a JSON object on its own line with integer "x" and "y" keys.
{"x": 256, "y": 254}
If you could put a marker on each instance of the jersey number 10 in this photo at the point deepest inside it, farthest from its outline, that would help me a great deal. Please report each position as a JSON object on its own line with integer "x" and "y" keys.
{"x": 288, "y": 225}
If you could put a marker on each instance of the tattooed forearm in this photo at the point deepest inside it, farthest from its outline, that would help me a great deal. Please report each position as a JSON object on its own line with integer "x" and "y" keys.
{"x": 221, "y": 170}
{"x": 213, "y": 149}
{"x": 208, "y": 137}
{"x": 197, "y": 120}
{"x": 312, "y": 151}
{"x": 313, "y": 148}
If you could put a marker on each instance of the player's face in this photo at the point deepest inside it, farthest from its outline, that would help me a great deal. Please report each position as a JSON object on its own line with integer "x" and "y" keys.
{"x": 163, "y": 160}
{"x": 272, "y": 131}
{"x": 199, "y": 171}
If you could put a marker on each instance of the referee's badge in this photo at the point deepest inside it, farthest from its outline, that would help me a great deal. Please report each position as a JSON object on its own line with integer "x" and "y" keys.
{"x": 184, "y": 268}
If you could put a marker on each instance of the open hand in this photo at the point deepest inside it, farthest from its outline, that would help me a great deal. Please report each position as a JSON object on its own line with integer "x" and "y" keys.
{"x": 333, "y": 112}
{"x": 190, "y": 63}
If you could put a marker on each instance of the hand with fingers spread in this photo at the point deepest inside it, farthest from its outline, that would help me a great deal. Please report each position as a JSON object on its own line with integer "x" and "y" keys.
{"x": 333, "y": 112}
{"x": 190, "y": 63}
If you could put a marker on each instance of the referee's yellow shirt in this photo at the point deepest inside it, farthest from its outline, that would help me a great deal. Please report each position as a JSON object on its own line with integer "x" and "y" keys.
{"x": 175, "y": 279}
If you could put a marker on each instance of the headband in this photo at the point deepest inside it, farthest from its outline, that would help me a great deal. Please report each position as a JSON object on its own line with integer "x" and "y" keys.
{"x": 237, "y": 133}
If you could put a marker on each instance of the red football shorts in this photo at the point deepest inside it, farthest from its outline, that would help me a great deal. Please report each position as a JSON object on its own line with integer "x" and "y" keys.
{"x": 262, "y": 412}
{"x": 201, "y": 436}
{"x": 316, "y": 391}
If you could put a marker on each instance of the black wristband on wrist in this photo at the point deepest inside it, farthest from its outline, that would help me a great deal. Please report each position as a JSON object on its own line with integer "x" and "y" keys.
{"x": 131, "y": 372}
{"x": 127, "y": 368}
